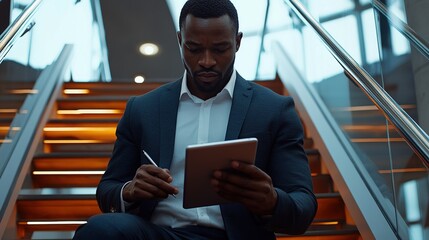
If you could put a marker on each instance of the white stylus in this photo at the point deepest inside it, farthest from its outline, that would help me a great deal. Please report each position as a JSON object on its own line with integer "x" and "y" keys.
{"x": 153, "y": 163}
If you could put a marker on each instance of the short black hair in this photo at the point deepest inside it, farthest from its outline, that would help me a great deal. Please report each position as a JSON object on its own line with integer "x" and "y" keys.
{"x": 209, "y": 9}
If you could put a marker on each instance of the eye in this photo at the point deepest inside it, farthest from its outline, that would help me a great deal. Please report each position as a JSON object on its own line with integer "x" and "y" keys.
{"x": 193, "y": 49}
{"x": 221, "y": 49}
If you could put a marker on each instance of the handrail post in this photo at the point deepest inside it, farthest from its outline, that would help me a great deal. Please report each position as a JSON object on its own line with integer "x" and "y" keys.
{"x": 261, "y": 46}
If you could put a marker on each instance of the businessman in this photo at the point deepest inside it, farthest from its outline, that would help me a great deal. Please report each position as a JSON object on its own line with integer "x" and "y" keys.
{"x": 211, "y": 102}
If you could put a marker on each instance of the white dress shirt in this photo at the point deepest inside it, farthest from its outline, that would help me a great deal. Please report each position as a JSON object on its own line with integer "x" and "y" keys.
{"x": 198, "y": 121}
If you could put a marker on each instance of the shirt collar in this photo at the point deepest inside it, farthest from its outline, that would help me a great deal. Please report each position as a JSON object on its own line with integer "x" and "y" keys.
{"x": 229, "y": 87}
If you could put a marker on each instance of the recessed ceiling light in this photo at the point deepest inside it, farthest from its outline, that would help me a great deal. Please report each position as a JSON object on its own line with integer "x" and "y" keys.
{"x": 139, "y": 79}
{"x": 149, "y": 49}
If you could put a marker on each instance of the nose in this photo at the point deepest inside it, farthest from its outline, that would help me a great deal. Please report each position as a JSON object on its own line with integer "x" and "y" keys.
{"x": 207, "y": 60}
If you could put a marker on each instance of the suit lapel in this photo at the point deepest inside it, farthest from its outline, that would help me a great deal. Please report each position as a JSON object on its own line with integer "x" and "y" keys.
{"x": 169, "y": 104}
{"x": 240, "y": 104}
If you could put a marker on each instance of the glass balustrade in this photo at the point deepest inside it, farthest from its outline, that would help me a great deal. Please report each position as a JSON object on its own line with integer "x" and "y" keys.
{"x": 398, "y": 178}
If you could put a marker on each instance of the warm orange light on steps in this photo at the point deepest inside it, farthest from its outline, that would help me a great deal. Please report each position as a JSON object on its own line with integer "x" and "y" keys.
{"x": 5, "y": 129}
{"x": 89, "y": 111}
{"x": 82, "y": 129}
{"x": 76, "y": 91}
{"x": 403, "y": 170}
{"x": 24, "y": 91}
{"x": 53, "y": 223}
{"x": 367, "y": 127}
{"x": 325, "y": 223}
{"x": 68, "y": 172}
{"x": 72, "y": 141}
{"x": 376, "y": 140}
{"x": 8, "y": 110}
{"x": 370, "y": 108}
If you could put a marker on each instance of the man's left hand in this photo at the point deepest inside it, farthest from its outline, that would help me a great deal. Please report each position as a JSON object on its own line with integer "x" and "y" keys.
{"x": 248, "y": 185}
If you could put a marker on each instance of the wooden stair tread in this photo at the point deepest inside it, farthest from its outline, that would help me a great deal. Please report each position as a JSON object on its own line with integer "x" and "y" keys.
{"x": 47, "y": 235}
{"x": 344, "y": 232}
{"x": 72, "y": 154}
{"x": 72, "y": 121}
{"x": 57, "y": 193}
{"x": 90, "y": 98}
{"x": 70, "y": 161}
{"x": 36, "y": 203}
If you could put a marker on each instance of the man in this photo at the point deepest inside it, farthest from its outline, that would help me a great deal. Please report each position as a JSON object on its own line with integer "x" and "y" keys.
{"x": 211, "y": 103}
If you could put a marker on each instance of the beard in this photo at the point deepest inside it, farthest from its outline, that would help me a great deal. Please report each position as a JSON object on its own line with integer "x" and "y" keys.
{"x": 215, "y": 85}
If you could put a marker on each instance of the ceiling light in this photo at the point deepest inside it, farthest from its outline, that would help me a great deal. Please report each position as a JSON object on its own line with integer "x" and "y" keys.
{"x": 148, "y": 49}
{"x": 139, "y": 79}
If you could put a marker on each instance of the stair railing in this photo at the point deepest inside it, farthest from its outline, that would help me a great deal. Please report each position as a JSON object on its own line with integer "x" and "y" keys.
{"x": 20, "y": 26}
{"x": 106, "y": 76}
{"x": 32, "y": 116}
{"x": 421, "y": 44}
{"x": 416, "y": 138}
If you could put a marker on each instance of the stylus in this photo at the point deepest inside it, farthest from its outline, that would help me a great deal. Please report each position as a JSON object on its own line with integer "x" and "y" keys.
{"x": 153, "y": 163}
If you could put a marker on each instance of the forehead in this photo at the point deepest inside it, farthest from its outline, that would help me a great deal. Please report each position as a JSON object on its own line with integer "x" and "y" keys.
{"x": 222, "y": 25}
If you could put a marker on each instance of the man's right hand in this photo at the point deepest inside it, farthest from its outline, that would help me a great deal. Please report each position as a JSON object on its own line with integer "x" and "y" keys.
{"x": 149, "y": 182}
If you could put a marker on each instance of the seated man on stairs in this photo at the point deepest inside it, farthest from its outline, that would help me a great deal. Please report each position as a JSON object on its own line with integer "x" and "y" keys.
{"x": 211, "y": 102}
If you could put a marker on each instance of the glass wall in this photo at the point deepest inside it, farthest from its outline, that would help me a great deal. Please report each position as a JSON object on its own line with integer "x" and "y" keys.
{"x": 57, "y": 23}
{"x": 397, "y": 177}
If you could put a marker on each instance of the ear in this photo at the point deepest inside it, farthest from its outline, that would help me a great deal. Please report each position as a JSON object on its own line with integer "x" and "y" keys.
{"x": 179, "y": 38}
{"x": 238, "y": 41}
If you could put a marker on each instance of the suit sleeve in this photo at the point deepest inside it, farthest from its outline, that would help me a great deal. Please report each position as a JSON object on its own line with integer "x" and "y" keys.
{"x": 122, "y": 166}
{"x": 289, "y": 169}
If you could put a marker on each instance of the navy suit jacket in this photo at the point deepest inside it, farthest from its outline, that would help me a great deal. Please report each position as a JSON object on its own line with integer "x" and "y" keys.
{"x": 149, "y": 123}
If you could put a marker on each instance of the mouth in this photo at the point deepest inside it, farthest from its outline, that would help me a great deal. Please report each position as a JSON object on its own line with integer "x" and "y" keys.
{"x": 207, "y": 76}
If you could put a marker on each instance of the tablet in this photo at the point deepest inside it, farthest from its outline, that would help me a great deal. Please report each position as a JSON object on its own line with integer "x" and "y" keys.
{"x": 203, "y": 159}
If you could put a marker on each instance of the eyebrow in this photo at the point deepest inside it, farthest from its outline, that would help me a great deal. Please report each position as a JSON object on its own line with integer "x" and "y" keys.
{"x": 225, "y": 43}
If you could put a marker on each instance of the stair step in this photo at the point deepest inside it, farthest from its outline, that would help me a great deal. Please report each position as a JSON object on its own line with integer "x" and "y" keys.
{"x": 331, "y": 206}
{"x": 366, "y": 114}
{"x": 47, "y": 235}
{"x": 57, "y": 168}
{"x": 81, "y": 130}
{"x": 112, "y": 88}
{"x": 76, "y": 145}
{"x": 92, "y": 102}
{"x": 61, "y": 204}
{"x": 59, "y": 179}
{"x": 70, "y": 161}
{"x": 57, "y": 204}
{"x": 342, "y": 232}
{"x": 69, "y": 178}
{"x": 370, "y": 131}
{"x": 53, "y": 209}
{"x": 322, "y": 183}
{"x": 314, "y": 160}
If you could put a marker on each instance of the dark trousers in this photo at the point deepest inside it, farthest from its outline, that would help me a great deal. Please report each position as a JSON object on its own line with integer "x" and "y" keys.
{"x": 117, "y": 226}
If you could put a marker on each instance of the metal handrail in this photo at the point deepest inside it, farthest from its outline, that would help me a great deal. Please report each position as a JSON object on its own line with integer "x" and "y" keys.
{"x": 421, "y": 44}
{"x": 407, "y": 127}
{"x": 38, "y": 108}
{"x": 261, "y": 45}
{"x": 17, "y": 28}
{"x": 106, "y": 76}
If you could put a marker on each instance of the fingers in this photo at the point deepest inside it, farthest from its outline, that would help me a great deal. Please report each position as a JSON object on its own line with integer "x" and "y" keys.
{"x": 248, "y": 185}
{"x": 149, "y": 182}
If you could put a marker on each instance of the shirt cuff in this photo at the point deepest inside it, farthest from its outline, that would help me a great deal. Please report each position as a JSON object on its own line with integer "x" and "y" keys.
{"x": 124, "y": 204}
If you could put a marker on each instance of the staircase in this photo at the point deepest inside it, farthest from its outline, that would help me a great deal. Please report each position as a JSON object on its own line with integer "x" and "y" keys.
{"x": 59, "y": 193}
